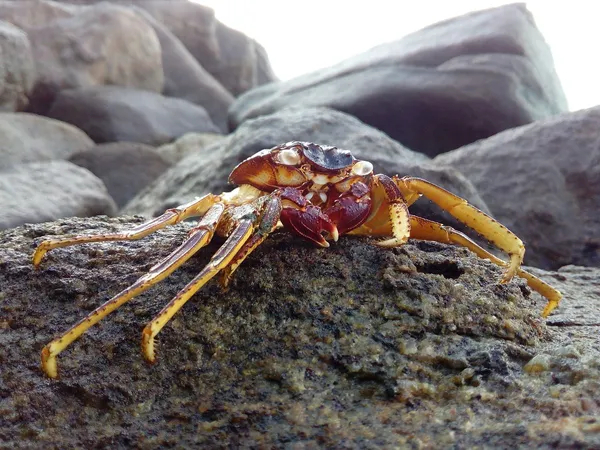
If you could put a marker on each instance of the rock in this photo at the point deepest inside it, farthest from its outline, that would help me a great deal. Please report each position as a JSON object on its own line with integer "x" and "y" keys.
{"x": 185, "y": 78}
{"x": 188, "y": 144}
{"x": 113, "y": 113}
{"x": 31, "y": 138}
{"x": 542, "y": 180}
{"x": 124, "y": 167}
{"x": 35, "y": 13}
{"x": 87, "y": 50}
{"x": 228, "y": 55}
{"x": 435, "y": 90}
{"x": 17, "y": 71}
{"x": 43, "y": 191}
{"x": 353, "y": 344}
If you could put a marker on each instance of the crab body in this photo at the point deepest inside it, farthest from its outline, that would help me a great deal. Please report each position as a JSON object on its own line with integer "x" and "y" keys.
{"x": 317, "y": 192}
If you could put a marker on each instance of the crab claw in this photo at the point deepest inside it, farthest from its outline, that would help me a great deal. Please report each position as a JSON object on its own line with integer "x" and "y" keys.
{"x": 350, "y": 209}
{"x": 310, "y": 223}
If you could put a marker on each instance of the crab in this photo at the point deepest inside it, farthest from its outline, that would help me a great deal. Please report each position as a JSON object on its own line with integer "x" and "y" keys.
{"x": 318, "y": 192}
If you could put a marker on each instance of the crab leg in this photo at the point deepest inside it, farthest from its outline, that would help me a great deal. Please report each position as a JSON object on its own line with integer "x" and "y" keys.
{"x": 170, "y": 217}
{"x": 220, "y": 260}
{"x": 425, "y": 229}
{"x": 485, "y": 225}
{"x": 198, "y": 238}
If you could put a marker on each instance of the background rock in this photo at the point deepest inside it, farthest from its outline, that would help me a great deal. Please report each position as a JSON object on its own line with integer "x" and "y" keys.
{"x": 316, "y": 347}
{"x": 113, "y": 113}
{"x": 188, "y": 144}
{"x": 442, "y": 87}
{"x": 38, "y": 192}
{"x": 17, "y": 71}
{"x": 87, "y": 50}
{"x": 542, "y": 181}
{"x": 30, "y": 138}
{"x": 124, "y": 167}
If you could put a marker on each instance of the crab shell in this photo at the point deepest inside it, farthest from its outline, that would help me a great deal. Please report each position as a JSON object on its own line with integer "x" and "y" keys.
{"x": 324, "y": 190}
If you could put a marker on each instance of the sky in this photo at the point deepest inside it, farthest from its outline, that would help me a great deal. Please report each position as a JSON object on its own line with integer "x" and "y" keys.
{"x": 305, "y": 35}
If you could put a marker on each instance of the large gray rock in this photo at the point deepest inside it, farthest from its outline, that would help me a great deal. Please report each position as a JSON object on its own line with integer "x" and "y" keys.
{"x": 17, "y": 71}
{"x": 352, "y": 346}
{"x": 125, "y": 168}
{"x": 39, "y": 192}
{"x": 435, "y": 90}
{"x": 114, "y": 113}
{"x": 34, "y": 13}
{"x": 188, "y": 144}
{"x": 30, "y": 138}
{"x": 542, "y": 181}
{"x": 88, "y": 49}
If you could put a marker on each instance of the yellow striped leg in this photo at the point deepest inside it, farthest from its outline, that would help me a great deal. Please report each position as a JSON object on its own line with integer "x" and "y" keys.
{"x": 221, "y": 259}
{"x": 198, "y": 238}
{"x": 170, "y": 217}
{"x": 468, "y": 214}
{"x": 429, "y": 230}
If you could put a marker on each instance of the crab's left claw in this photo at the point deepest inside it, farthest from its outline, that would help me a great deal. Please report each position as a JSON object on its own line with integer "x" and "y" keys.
{"x": 351, "y": 208}
{"x": 310, "y": 223}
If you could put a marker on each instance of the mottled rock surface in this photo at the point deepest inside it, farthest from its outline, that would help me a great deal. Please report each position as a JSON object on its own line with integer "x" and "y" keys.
{"x": 351, "y": 346}
{"x": 17, "y": 71}
{"x": 542, "y": 181}
{"x": 30, "y": 138}
{"x": 437, "y": 89}
{"x": 113, "y": 113}
{"x": 42, "y": 191}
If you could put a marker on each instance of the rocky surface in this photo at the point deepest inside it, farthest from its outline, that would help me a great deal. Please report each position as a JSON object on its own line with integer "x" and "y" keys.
{"x": 542, "y": 181}
{"x": 37, "y": 192}
{"x": 31, "y": 138}
{"x": 437, "y": 89}
{"x": 17, "y": 72}
{"x": 351, "y": 346}
{"x": 188, "y": 144}
{"x": 113, "y": 113}
{"x": 125, "y": 168}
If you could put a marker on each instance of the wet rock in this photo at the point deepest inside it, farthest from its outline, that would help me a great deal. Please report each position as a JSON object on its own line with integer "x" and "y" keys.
{"x": 542, "y": 181}
{"x": 17, "y": 72}
{"x": 435, "y": 90}
{"x": 87, "y": 50}
{"x": 124, "y": 167}
{"x": 352, "y": 344}
{"x": 38, "y": 192}
{"x": 113, "y": 113}
{"x": 31, "y": 138}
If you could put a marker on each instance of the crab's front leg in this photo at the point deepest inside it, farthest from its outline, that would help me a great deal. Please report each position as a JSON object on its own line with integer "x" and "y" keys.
{"x": 248, "y": 232}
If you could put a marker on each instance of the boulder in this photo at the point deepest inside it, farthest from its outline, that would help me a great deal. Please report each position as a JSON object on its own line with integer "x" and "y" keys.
{"x": 114, "y": 113}
{"x": 435, "y": 90}
{"x": 188, "y": 144}
{"x": 17, "y": 71}
{"x": 39, "y": 192}
{"x": 87, "y": 50}
{"x": 542, "y": 181}
{"x": 354, "y": 344}
{"x": 124, "y": 167}
{"x": 32, "y": 138}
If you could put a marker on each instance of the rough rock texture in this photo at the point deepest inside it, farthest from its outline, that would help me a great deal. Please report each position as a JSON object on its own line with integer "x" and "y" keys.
{"x": 38, "y": 192}
{"x": 124, "y": 167}
{"x": 87, "y": 50}
{"x": 435, "y": 90}
{"x": 351, "y": 346}
{"x": 34, "y": 13}
{"x": 542, "y": 181}
{"x": 207, "y": 170}
{"x": 17, "y": 71}
{"x": 185, "y": 77}
{"x": 188, "y": 144}
{"x": 30, "y": 138}
{"x": 113, "y": 113}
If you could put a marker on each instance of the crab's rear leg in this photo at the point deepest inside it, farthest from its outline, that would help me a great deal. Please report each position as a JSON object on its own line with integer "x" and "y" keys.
{"x": 468, "y": 214}
{"x": 198, "y": 238}
{"x": 172, "y": 216}
{"x": 246, "y": 236}
{"x": 425, "y": 229}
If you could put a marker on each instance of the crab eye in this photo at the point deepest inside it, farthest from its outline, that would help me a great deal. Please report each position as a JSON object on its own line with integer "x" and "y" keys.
{"x": 288, "y": 157}
{"x": 362, "y": 168}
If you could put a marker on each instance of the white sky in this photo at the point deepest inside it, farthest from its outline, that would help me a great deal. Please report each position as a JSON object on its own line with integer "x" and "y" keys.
{"x": 304, "y": 35}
